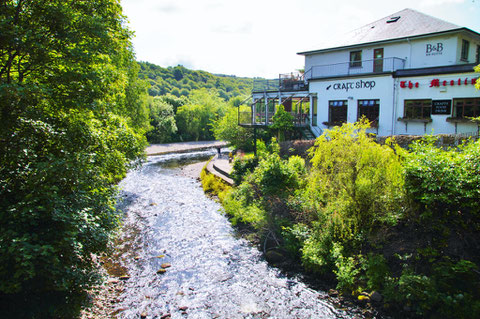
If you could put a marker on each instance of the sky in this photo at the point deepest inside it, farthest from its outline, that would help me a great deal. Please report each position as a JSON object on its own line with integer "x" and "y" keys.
{"x": 261, "y": 38}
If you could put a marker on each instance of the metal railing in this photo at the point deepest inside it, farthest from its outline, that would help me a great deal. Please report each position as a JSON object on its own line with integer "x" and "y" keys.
{"x": 261, "y": 85}
{"x": 355, "y": 68}
{"x": 293, "y": 81}
{"x": 262, "y": 118}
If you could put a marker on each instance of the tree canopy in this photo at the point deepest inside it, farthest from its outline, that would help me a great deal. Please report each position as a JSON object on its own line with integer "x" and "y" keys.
{"x": 180, "y": 81}
{"x": 72, "y": 115}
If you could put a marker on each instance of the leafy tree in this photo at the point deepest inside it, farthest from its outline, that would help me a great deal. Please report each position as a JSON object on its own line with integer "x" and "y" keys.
{"x": 69, "y": 95}
{"x": 282, "y": 122}
{"x": 194, "y": 119}
{"x": 162, "y": 120}
{"x": 477, "y": 69}
{"x": 227, "y": 129}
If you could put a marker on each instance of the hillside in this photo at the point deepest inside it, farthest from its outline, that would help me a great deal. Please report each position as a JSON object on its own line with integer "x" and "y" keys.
{"x": 179, "y": 81}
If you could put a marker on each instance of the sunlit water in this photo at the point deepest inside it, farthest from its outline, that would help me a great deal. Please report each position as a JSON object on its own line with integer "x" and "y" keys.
{"x": 213, "y": 273}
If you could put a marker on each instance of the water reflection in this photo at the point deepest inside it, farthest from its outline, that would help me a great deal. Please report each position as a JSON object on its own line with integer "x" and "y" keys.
{"x": 209, "y": 273}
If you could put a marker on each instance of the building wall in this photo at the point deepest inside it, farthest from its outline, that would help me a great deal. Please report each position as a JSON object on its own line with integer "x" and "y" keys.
{"x": 353, "y": 89}
{"x": 418, "y": 53}
{"x": 392, "y": 94}
{"x": 439, "y": 124}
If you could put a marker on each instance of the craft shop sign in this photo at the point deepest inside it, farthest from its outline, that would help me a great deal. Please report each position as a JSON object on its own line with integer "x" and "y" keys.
{"x": 352, "y": 85}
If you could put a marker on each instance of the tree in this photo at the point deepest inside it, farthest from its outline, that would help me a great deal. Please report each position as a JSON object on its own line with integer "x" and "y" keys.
{"x": 69, "y": 98}
{"x": 194, "y": 119}
{"x": 282, "y": 122}
{"x": 162, "y": 120}
{"x": 227, "y": 129}
{"x": 477, "y": 69}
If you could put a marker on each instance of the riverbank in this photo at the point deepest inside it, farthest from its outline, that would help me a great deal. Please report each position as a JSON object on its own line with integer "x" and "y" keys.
{"x": 183, "y": 147}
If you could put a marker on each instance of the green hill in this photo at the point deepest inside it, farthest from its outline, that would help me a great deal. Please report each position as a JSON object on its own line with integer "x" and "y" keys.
{"x": 179, "y": 81}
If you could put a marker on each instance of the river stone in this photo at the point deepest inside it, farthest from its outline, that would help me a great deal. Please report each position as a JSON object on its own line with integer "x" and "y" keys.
{"x": 274, "y": 256}
{"x": 376, "y": 296}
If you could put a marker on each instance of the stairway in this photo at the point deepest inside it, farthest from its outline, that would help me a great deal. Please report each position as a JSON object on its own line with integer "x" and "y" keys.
{"x": 307, "y": 134}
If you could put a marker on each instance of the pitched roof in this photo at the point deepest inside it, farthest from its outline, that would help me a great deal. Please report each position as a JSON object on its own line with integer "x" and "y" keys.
{"x": 403, "y": 24}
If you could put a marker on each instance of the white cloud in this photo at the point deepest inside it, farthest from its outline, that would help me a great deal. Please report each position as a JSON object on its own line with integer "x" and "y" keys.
{"x": 260, "y": 37}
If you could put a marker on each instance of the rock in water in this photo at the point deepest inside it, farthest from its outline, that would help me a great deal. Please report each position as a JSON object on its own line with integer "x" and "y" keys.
{"x": 376, "y": 296}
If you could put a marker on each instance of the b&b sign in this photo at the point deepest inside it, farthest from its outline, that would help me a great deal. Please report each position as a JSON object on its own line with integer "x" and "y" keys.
{"x": 434, "y": 49}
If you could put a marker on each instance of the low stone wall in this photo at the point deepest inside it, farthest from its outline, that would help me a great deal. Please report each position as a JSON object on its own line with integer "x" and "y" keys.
{"x": 444, "y": 140}
{"x": 300, "y": 147}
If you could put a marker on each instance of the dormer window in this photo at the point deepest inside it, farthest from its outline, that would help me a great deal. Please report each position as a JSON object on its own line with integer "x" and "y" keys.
{"x": 356, "y": 59}
{"x": 393, "y": 19}
{"x": 465, "y": 49}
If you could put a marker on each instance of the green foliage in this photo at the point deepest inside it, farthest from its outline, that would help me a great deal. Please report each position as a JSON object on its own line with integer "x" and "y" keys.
{"x": 445, "y": 183}
{"x": 70, "y": 98}
{"x": 194, "y": 119}
{"x": 214, "y": 185}
{"x": 347, "y": 269}
{"x": 450, "y": 291}
{"x": 376, "y": 271}
{"x": 183, "y": 81}
{"x": 226, "y": 128}
{"x": 162, "y": 121}
{"x": 263, "y": 195}
{"x": 242, "y": 166}
{"x": 282, "y": 122}
{"x": 355, "y": 177}
{"x": 361, "y": 204}
{"x": 477, "y": 69}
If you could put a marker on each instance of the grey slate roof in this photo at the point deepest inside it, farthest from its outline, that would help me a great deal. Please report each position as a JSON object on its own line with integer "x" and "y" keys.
{"x": 410, "y": 24}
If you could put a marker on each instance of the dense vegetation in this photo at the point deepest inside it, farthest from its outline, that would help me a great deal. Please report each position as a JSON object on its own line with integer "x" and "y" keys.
{"x": 180, "y": 81}
{"x": 72, "y": 124}
{"x": 187, "y": 105}
{"x": 374, "y": 217}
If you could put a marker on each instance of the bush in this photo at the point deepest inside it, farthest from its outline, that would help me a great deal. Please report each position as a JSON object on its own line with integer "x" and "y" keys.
{"x": 214, "y": 185}
{"x": 354, "y": 186}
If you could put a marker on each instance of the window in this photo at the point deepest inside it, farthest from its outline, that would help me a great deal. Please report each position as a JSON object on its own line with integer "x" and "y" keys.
{"x": 465, "y": 48}
{"x": 356, "y": 59}
{"x": 337, "y": 112}
{"x": 477, "y": 60}
{"x": 314, "y": 110}
{"x": 417, "y": 109}
{"x": 369, "y": 109}
{"x": 463, "y": 108}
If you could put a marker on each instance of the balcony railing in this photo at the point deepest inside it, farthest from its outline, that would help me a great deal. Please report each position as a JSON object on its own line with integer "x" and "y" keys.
{"x": 297, "y": 81}
{"x": 293, "y": 81}
{"x": 355, "y": 68}
{"x": 264, "y": 119}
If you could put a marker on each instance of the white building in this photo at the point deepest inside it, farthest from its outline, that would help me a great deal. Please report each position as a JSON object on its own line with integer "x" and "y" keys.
{"x": 409, "y": 73}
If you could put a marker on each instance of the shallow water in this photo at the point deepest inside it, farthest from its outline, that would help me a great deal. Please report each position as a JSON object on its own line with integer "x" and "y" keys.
{"x": 213, "y": 272}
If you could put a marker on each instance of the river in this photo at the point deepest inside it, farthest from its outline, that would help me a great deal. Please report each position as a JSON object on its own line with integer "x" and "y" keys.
{"x": 209, "y": 271}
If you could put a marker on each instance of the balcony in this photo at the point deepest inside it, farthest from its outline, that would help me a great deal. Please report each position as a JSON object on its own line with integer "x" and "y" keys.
{"x": 289, "y": 82}
{"x": 373, "y": 66}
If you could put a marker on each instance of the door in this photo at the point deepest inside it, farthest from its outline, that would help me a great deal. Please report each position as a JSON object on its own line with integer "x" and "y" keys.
{"x": 378, "y": 60}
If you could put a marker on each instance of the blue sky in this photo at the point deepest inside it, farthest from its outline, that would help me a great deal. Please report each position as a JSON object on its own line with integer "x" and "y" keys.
{"x": 261, "y": 37}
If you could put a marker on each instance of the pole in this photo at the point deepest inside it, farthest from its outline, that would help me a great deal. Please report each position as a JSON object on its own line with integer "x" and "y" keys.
{"x": 255, "y": 141}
